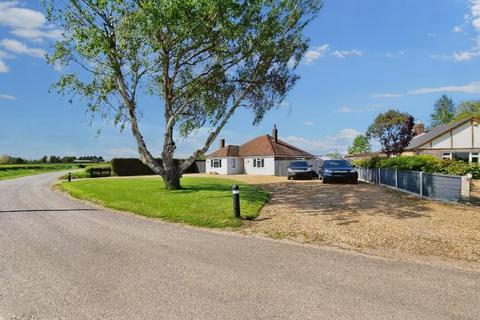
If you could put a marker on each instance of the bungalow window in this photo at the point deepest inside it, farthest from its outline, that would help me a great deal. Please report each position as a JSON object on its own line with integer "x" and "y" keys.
{"x": 447, "y": 155}
{"x": 475, "y": 157}
{"x": 462, "y": 156}
{"x": 216, "y": 163}
{"x": 259, "y": 163}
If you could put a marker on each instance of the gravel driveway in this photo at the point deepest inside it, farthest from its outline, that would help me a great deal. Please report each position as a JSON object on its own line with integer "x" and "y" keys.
{"x": 367, "y": 218}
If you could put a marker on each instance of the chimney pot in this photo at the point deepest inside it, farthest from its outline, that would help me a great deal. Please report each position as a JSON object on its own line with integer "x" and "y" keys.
{"x": 275, "y": 133}
{"x": 222, "y": 143}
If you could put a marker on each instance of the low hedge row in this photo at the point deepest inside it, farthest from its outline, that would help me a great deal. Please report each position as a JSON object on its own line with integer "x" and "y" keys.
{"x": 130, "y": 167}
{"x": 135, "y": 167}
{"x": 425, "y": 163}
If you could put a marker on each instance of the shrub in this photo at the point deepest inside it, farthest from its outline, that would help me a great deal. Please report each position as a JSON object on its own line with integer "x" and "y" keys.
{"x": 135, "y": 167}
{"x": 425, "y": 163}
{"x": 459, "y": 168}
{"x": 130, "y": 167}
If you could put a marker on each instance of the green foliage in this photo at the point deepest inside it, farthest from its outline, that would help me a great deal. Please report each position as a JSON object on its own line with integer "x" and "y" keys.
{"x": 444, "y": 111}
{"x": 394, "y": 130}
{"x": 468, "y": 109}
{"x": 334, "y": 155}
{"x": 130, "y": 167}
{"x": 459, "y": 168}
{"x": 361, "y": 144}
{"x": 425, "y": 163}
{"x": 205, "y": 202}
{"x": 135, "y": 167}
{"x": 202, "y": 59}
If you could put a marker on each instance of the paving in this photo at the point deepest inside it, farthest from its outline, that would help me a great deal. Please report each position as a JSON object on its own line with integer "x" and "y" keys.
{"x": 62, "y": 259}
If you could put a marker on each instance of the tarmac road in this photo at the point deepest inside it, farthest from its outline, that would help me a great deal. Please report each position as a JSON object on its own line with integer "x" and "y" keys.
{"x": 61, "y": 259}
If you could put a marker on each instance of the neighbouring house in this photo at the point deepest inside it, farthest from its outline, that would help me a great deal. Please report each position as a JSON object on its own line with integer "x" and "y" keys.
{"x": 264, "y": 155}
{"x": 458, "y": 140}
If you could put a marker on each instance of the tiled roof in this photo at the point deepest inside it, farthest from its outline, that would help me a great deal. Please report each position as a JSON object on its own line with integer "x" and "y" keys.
{"x": 261, "y": 146}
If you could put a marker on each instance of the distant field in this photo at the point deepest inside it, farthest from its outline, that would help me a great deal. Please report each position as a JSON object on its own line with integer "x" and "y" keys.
{"x": 22, "y": 170}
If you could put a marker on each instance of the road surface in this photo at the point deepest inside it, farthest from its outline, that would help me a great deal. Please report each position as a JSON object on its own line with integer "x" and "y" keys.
{"x": 61, "y": 259}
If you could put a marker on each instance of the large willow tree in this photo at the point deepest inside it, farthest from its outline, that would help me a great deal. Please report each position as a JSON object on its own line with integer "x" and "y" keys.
{"x": 203, "y": 59}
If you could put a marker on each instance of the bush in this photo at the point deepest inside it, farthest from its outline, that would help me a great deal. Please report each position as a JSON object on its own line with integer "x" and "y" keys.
{"x": 135, "y": 167}
{"x": 130, "y": 167}
{"x": 425, "y": 163}
{"x": 458, "y": 168}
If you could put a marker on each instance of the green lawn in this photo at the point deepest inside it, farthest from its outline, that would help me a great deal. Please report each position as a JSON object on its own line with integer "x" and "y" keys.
{"x": 22, "y": 170}
{"x": 205, "y": 202}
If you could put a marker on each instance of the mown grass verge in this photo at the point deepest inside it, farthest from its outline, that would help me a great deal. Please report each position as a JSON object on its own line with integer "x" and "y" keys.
{"x": 204, "y": 202}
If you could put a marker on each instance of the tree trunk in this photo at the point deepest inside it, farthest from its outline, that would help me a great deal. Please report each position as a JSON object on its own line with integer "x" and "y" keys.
{"x": 172, "y": 175}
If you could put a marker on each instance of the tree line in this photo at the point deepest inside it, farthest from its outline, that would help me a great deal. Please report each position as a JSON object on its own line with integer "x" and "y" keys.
{"x": 394, "y": 129}
{"x": 6, "y": 159}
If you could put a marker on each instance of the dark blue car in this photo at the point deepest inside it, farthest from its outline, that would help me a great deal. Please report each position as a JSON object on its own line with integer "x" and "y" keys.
{"x": 338, "y": 170}
{"x": 300, "y": 169}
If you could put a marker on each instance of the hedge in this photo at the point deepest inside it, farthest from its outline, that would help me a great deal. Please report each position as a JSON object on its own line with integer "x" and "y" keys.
{"x": 135, "y": 167}
{"x": 130, "y": 167}
{"x": 425, "y": 163}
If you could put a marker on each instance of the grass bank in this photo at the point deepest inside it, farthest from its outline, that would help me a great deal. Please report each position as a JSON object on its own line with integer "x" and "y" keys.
{"x": 22, "y": 170}
{"x": 205, "y": 202}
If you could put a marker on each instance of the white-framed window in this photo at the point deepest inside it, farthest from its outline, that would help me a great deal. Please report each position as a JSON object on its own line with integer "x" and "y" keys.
{"x": 461, "y": 156}
{"x": 259, "y": 163}
{"x": 447, "y": 155}
{"x": 216, "y": 163}
{"x": 475, "y": 157}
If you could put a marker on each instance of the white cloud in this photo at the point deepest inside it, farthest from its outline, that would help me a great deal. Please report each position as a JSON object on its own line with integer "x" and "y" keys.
{"x": 345, "y": 110}
{"x": 397, "y": 54}
{"x": 474, "y": 19}
{"x": 7, "y": 97}
{"x": 457, "y": 29}
{"x": 308, "y": 123}
{"x": 345, "y": 53}
{"x": 316, "y": 53}
{"x": 26, "y": 23}
{"x": 359, "y": 110}
{"x": 473, "y": 87}
{"x": 465, "y": 55}
{"x": 18, "y": 47}
{"x": 321, "y": 51}
{"x": 387, "y": 95}
{"x": 3, "y": 66}
{"x": 337, "y": 142}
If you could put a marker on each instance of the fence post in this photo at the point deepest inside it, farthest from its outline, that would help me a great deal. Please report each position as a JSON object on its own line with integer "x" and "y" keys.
{"x": 421, "y": 183}
{"x": 396, "y": 178}
{"x": 379, "y": 176}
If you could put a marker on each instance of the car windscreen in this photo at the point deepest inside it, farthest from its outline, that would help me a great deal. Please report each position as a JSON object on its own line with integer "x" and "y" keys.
{"x": 299, "y": 164}
{"x": 337, "y": 164}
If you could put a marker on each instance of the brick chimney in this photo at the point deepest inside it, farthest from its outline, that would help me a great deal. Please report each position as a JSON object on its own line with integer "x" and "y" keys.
{"x": 222, "y": 143}
{"x": 419, "y": 128}
{"x": 275, "y": 133}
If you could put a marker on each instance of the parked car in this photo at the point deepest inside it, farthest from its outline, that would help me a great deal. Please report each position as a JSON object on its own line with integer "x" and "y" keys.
{"x": 338, "y": 170}
{"x": 300, "y": 169}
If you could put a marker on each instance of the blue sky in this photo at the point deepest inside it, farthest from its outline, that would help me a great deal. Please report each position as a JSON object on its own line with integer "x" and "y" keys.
{"x": 365, "y": 57}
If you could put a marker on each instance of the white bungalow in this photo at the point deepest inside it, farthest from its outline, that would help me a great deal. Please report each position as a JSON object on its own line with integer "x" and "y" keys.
{"x": 257, "y": 156}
